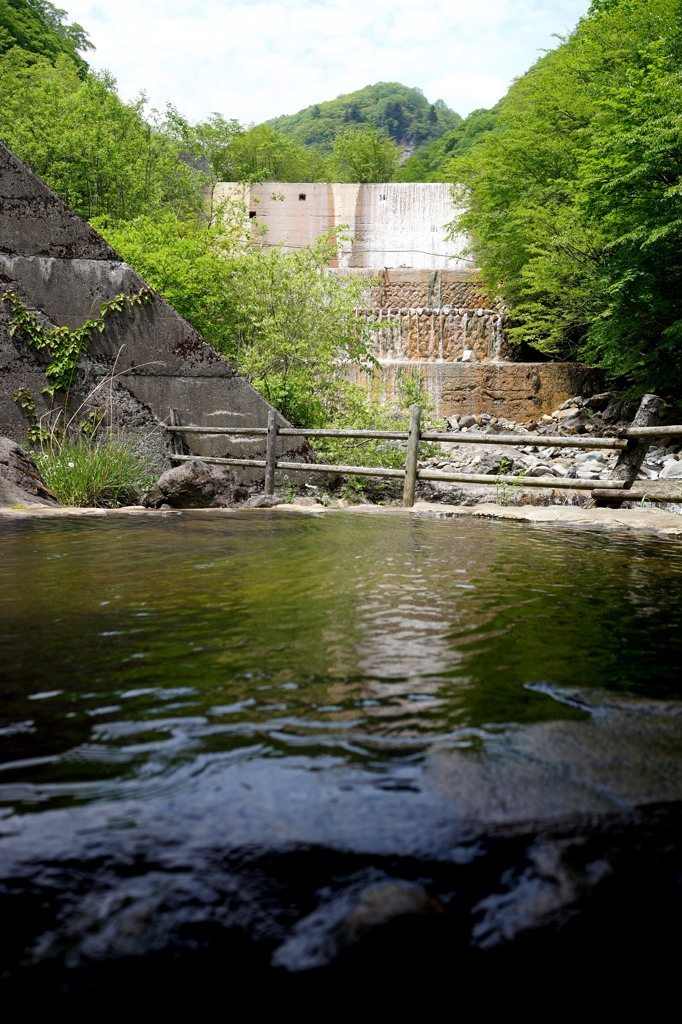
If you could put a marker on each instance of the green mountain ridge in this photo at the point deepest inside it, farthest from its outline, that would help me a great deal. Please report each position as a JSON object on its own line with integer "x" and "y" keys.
{"x": 401, "y": 112}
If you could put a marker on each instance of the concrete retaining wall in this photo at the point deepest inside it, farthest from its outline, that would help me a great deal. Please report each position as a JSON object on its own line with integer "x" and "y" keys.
{"x": 63, "y": 270}
{"x": 517, "y": 391}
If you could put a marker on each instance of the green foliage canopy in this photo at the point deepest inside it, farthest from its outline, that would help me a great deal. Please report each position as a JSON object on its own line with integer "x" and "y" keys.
{"x": 574, "y": 202}
{"x": 100, "y": 154}
{"x": 432, "y": 162}
{"x": 284, "y": 322}
{"x": 39, "y": 27}
{"x": 262, "y": 154}
{"x": 364, "y": 154}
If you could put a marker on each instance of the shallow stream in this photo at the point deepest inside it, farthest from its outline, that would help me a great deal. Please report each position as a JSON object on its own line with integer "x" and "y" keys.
{"x": 138, "y": 653}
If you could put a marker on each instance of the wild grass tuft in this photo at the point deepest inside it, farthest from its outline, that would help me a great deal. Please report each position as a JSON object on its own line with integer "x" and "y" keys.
{"x": 94, "y": 472}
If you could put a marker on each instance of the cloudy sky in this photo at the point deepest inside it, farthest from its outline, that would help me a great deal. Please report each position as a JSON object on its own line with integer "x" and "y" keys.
{"x": 254, "y": 59}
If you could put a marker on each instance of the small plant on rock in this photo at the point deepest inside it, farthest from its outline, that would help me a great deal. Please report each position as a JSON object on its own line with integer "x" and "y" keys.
{"x": 504, "y": 484}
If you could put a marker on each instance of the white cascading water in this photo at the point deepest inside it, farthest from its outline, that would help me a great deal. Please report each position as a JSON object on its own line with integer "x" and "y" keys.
{"x": 404, "y": 225}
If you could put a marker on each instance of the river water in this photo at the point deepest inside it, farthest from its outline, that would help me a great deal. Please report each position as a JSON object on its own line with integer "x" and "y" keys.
{"x": 139, "y": 652}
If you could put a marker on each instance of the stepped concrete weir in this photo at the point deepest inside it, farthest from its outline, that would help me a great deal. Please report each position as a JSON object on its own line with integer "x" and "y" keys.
{"x": 425, "y": 308}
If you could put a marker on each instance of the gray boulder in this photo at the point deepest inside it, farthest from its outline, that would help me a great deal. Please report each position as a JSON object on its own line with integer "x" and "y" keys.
{"x": 264, "y": 501}
{"x": 20, "y": 481}
{"x": 672, "y": 470}
{"x": 192, "y": 484}
{"x": 599, "y": 402}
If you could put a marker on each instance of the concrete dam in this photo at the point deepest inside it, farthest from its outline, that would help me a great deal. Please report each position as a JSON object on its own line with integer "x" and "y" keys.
{"x": 424, "y": 306}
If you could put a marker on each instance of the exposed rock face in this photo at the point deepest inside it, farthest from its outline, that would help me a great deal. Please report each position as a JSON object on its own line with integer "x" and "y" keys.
{"x": 20, "y": 481}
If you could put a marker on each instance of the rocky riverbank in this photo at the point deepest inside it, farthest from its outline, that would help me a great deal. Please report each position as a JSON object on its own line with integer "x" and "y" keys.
{"x": 591, "y": 417}
{"x": 197, "y": 484}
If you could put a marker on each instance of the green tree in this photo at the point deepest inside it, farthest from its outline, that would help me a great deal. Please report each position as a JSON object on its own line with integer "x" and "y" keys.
{"x": 283, "y": 321}
{"x": 188, "y": 263}
{"x": 261, "y": 154}
{"x": 574, "y": 201}
{"x": 100, "y": 154}
{"x": 432, "y": 162}
{"x": 55, "y": 18}
{"x": 364, "y": 155}
{"x": 38, "y": 27}
{"x": 296, "y": 327}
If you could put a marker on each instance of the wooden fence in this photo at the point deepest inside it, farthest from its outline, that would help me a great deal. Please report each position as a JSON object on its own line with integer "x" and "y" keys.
{"x": 632, "y": 442}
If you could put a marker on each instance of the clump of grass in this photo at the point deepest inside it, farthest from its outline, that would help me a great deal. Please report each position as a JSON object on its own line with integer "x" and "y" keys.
{"x": 94, "y": 472}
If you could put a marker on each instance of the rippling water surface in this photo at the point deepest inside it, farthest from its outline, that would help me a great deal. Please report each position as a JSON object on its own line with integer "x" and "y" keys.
{"x": 134, "y": 648}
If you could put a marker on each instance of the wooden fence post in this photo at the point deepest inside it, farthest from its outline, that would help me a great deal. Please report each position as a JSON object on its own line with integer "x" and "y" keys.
{"x": 177, "y": 442}
{"x": 412, "y": 456}
{"x": 271, "y": 453}
{"x": 631, "y": 458}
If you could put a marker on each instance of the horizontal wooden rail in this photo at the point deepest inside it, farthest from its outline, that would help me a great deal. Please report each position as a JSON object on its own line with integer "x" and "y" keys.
{"x": 543, "y": 441}
{"x": 629, "y": 494}
{"x": 634, "y": 432}
{"x": 422, "y": 474}
{"x": 540, "y": 440}
{"x": 390, "y": 435}
{"x": 630, "y": 442}
{"x": 301, "y": 467}
{"x": 556, "y": 482}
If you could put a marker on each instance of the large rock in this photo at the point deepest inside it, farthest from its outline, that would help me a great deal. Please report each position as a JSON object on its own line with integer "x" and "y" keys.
{"x": 672, "y": 470}
{"x": 191, "y": 485}
{"x": 20, "y": 481}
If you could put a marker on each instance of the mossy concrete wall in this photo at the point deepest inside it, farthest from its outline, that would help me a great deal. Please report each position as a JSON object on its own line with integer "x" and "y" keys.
{"x": 63, "y": 270}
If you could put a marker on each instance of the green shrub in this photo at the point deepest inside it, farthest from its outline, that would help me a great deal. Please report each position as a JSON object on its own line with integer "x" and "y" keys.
{"x": 89, "y": 472}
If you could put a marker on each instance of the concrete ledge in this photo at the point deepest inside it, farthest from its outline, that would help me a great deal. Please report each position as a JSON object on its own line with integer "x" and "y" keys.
{"x": 647, "y": 520}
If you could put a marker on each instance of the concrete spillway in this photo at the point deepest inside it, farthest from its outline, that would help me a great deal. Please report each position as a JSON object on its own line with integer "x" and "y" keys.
{"x": 391, "y": 225}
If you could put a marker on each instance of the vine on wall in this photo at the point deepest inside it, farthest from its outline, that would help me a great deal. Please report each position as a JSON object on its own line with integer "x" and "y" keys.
{"x": 63, "y": 345}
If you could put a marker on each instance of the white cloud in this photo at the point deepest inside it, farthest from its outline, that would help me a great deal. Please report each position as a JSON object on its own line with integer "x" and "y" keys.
{"x": 255, "y": 60}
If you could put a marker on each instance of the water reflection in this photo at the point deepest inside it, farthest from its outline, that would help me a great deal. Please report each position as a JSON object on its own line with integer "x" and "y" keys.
{"x": 131, "y": 648}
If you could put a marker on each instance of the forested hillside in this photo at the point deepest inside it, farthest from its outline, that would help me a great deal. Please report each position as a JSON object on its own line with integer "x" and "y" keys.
{"x": 401, "y": 113}
{"x": 575, "y": 199}
{"x": 432, "y": 162}
{"x": 37, "y": 26}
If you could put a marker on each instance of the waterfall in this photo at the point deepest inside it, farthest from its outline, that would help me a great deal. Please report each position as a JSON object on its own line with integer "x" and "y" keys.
{"x": 499, "y": 339}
